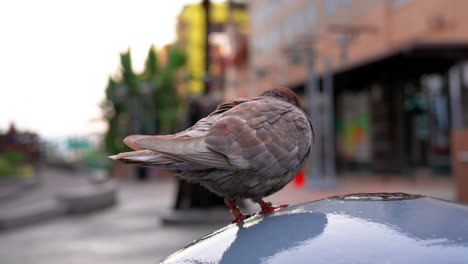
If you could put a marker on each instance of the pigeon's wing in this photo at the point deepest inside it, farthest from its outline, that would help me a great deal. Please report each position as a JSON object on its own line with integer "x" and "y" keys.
{"x": 265, "y": 135}
{"x": 223, "y": 107}
{"x": 202, "y": 127}
{"x": 184, "y": 150}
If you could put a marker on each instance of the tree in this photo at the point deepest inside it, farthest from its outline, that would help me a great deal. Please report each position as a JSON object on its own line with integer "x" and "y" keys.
{"x": 145, "y": 103}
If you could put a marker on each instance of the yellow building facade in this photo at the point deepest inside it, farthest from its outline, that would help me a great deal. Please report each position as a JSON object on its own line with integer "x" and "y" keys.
{"x": 191, "y": 32}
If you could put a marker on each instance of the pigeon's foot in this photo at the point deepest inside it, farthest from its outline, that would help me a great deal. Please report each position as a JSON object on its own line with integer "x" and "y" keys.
{"x": 267, "y": 207}
{"x": 236, "y": 212}
{"x": 240, "y": 217}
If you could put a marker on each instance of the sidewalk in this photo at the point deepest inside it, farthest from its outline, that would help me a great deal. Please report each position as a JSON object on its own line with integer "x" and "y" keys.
{"x": 131, "y": 232}
{"x": 50, "y": 182}
{"x": 55, "y": 193}
{"x": 9, "y": 188}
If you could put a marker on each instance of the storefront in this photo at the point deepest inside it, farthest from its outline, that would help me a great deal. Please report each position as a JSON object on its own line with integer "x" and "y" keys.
{"x": 393, "y": 112}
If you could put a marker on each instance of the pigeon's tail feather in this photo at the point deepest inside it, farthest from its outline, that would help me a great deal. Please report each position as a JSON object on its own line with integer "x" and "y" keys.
{"x": 183, "y": 149}
{"x": 131, "y": 140}
{"x": 142, "y": 156}
{"x": 154, "y": 159}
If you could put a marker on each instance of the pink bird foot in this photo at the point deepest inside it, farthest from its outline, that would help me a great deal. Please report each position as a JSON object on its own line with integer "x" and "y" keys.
{"x": 239, "y": 217}
{"x": 236, "y": 212}
{"x": 266, "y": 207}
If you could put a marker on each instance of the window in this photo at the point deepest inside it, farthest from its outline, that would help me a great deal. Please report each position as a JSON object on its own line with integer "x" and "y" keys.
{"x": 400, "y": 3}
{"x": 346, "y": 2}
{"x": 310, "y": 14}
{"x": 330, "y": 6}
{"x": 298, "y": 23}
{"x": 288, "y": 29}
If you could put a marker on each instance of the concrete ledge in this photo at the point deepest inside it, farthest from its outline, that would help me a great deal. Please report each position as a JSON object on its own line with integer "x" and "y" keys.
{"x": 79, "y": 200}
{"x": 197, "y": 216}
{"x": 10, "y": 188}
{"x": 26, "y": 215}
{"x": 87, "y": 199}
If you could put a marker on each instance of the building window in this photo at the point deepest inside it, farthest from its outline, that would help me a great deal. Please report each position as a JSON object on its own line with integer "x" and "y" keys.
{"x": 311, "y": 14}
{"x": 298, "y": 23}
{"x": 288, "y": 29}
{"x": 261, "y": 73}
{"x": 346, "y": 2}
{"x": 330, "y": 6}
{"x": 400, "y": 3}
{"x": 275, "y": 35}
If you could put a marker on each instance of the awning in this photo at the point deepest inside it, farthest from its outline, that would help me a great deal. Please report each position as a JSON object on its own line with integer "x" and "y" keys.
{"x": 406, "y": 62}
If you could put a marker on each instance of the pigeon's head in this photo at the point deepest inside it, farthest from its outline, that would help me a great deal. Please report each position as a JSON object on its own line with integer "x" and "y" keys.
{"x": 284, "y": 94}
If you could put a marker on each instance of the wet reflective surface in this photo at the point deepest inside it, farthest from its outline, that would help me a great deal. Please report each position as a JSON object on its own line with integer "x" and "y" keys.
{"x": 345, "y": 230}
{"x": 377, "y": 197}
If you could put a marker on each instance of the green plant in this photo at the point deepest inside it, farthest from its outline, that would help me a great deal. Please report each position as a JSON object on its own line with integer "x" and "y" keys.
{"x": 145, "y": 103}
{"x": 14, "y": 163}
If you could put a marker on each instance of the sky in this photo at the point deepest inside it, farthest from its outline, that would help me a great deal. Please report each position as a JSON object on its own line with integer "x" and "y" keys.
{"x": 56, "y": 57}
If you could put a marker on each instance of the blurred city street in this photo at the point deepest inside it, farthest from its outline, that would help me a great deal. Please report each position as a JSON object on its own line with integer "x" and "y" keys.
{"x": 363, "y": 96}
{"x": 132, "y": 231}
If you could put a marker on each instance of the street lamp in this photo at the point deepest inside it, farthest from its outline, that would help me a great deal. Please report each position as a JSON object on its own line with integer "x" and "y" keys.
{"x": 321, "y": 166}
{"x": 346, "y": 34}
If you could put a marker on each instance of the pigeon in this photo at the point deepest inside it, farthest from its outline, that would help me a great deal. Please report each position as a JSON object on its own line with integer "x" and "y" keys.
{"x": 246, "y": 148}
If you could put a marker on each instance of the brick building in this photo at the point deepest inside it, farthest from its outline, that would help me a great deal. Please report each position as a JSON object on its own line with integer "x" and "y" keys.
{"x": 392, "y": 70}
{"x": 26, "y": 143}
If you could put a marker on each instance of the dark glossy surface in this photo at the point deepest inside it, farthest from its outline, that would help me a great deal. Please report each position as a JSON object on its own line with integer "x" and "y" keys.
{"x": 358, "y": 228}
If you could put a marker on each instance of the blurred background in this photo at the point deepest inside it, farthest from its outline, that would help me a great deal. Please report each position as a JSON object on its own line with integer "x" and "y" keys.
{"x": 385, "y": 83}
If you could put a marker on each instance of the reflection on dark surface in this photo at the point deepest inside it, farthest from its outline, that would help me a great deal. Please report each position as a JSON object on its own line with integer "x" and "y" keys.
{"x": 421, "y": 219}
{"x": 422, "y": 230}
{"x": 256, "y": 239}
{"x": 376, "y": 197}
{"x": 268, "y": 240}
